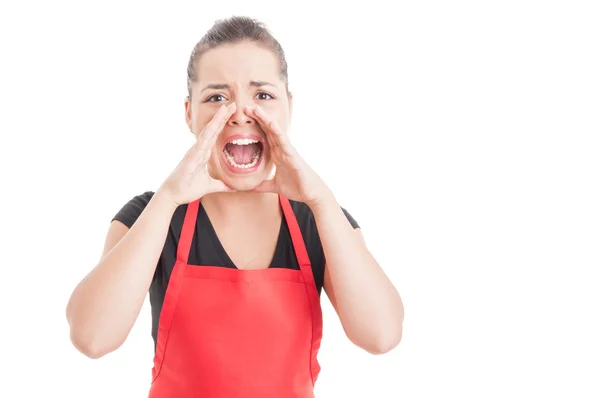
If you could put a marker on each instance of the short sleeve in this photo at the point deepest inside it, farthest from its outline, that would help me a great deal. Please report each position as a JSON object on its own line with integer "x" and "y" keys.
{"x": 351, "y": 219}
{"x": 130, "y": 212}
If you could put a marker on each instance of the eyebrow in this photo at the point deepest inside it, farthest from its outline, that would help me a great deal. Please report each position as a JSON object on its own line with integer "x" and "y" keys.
{"x": 221, "y": 86}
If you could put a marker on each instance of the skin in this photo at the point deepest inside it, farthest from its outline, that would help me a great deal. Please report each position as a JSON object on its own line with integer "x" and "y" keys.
{"x": 105, "y": 305}
{"x": 237, "y": 66}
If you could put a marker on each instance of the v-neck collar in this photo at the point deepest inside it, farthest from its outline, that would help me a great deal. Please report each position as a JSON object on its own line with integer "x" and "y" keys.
{"x": 218, "y": 246}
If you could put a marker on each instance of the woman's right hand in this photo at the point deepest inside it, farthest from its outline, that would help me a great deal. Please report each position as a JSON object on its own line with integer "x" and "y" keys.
{"x": 190, "y": 179}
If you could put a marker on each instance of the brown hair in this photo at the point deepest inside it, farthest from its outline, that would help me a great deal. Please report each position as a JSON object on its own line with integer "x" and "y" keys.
{"x": 231, "y": 31}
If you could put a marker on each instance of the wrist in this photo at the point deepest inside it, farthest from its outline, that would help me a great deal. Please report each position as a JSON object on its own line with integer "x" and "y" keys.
{"x": 163, "y": 196}
{"x": 323, "y": 201}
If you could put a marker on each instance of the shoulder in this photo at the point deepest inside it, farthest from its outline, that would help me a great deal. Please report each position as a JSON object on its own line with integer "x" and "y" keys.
{"x": 306, "y": 218}
{"x": 310, "y": 233}
{"x": 303, "y": 214}
{"x": 132, "y": 209}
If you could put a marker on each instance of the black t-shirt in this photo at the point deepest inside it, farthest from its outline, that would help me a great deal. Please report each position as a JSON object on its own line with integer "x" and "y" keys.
{"x": 207, "y": 249}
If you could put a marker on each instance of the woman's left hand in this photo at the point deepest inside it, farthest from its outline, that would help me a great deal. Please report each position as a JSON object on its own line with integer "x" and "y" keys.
{"x": 293, "y": 178}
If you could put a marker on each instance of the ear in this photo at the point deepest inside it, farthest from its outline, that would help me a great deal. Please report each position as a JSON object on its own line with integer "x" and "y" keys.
{"x": 291, "y": 104}
{"x": 188, "y": 113}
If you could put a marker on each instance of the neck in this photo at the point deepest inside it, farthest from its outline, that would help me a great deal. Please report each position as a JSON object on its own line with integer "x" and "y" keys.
{"x": 230, "y": 205}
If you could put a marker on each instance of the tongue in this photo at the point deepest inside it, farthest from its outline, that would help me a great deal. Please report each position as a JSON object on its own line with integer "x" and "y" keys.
{"x": 242, "y": 154}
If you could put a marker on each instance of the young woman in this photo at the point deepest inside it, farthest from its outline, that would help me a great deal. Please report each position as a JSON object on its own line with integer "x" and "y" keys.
{"x": 233, "y": 256}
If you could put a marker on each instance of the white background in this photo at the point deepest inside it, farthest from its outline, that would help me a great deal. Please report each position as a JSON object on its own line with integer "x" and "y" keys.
{"x": 463, "y": 137}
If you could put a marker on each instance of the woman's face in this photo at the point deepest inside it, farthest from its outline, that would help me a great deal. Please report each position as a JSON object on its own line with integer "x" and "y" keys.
{"x": 246, "y": 74}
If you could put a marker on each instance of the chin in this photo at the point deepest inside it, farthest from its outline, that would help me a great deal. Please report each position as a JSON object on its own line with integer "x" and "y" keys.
{"x": 245, "y": 184}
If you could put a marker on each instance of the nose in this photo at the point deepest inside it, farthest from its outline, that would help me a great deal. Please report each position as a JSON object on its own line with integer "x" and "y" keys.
{"x": 239, "y": 117}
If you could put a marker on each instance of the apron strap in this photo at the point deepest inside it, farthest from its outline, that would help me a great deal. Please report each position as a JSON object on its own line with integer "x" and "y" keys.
{"x": 297, "y": 239}
{"x": 187, "y": 232}
{"x": 189, "y": 224}
{"x": 309, "y": 283}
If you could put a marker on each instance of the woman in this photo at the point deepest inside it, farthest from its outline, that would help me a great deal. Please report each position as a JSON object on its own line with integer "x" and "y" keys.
{"x": 232, "y": 255}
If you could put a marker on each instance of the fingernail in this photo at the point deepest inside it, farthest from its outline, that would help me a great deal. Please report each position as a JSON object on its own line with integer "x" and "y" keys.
{"x": 250, "y": 107}
{"x": 231, "y": 106}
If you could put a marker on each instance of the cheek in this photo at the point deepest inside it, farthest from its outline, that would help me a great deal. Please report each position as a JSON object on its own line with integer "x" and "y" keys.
{"x": 202, "y": 118}
{"x": 214, "y": 165}
{"x": 278, "y": 112}
{"x": 215, "y": 155}
{"x": 200, "y": 123}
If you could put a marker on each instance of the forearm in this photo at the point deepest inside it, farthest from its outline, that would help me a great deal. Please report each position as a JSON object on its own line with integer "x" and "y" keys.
{"x": 105, "y": 305}
{"x": 369, "y": 306}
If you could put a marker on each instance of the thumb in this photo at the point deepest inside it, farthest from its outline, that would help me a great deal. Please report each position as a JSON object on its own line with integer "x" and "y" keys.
{"x": 219, "y": 186}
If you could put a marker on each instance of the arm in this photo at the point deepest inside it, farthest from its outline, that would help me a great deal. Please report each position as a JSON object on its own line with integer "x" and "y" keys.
{"x": 367, "y": 303}
{"x": 369, "y": 307}
{"x": 106, "y": 303}
{"x": 104, "y": 306}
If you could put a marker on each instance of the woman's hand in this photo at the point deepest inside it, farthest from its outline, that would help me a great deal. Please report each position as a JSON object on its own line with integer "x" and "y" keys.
{"x": 293, "y": 179}
{"x": 190, "y": 179}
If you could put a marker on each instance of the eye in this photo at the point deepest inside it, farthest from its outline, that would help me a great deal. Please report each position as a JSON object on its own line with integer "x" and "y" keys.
{"x": 212, "y": 98}
{"x": 262, "y": 94}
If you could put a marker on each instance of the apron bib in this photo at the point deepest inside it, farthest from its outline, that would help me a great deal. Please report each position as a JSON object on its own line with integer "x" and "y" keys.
{"x": 226, "y": 332}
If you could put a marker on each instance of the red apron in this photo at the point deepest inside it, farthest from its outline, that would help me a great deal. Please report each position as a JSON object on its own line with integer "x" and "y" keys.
{"x": 226, "y": 332}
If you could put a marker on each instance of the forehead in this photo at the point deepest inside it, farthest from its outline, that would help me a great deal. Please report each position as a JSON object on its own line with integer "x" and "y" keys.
{"x": 238, "y": 62}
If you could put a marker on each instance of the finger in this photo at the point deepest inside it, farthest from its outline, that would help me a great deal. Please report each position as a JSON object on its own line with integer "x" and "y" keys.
{"x": 213, "y": 128}
{"x": 201, "y": 139}
{"x": 216, "y": 125}
{"x": 210, "y": 133}
{"x": 219, "y": 186}
{"x": 275, "y": 135}
{"x": 266, "y": 186}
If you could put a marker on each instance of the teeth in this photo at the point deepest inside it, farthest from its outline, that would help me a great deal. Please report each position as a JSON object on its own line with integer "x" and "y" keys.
{"x": 232, "y": 162}
{"x": 244, "y": 141}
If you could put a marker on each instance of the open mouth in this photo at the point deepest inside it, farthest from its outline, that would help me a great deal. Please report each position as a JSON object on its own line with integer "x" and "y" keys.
{"x": 243, "y": 153}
